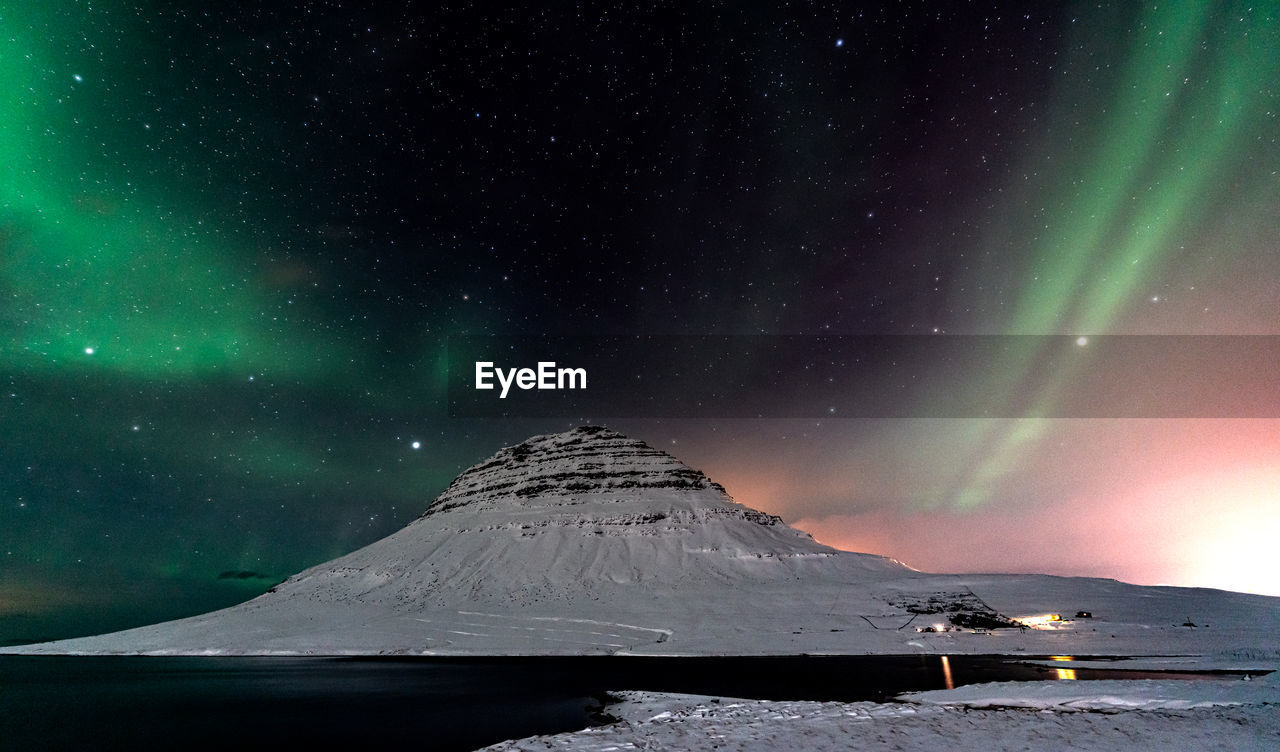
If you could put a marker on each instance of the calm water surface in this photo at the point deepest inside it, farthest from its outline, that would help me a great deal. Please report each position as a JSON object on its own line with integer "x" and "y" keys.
{"x": 429, "y": 704}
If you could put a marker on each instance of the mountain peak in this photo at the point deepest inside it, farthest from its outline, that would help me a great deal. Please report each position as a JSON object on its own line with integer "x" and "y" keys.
{"x": 584, "y": 460}
{"x": 563, "y": 542}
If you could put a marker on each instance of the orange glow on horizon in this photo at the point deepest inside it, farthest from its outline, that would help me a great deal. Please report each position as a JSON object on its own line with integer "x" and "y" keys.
{"x": 1236, "y": 545}
{"x": 1212, "y": 529}
{"x": 1192, "y": 503}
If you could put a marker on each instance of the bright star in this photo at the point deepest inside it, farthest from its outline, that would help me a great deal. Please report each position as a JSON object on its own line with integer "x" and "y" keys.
{"x": 839, "y": 42}
{"x": 88, "y": 351}
{"x": 417, "y": 445}
{"x": 78, "y": 78}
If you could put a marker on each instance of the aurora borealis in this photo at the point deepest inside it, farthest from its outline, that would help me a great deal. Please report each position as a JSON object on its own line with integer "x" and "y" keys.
{"x": 233, "y": 242}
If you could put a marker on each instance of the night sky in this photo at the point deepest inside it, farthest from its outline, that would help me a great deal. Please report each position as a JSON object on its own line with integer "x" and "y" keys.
{"x": 233, "y": 241}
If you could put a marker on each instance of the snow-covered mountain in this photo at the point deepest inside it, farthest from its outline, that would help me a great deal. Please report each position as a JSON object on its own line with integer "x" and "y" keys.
{"x": 590, "y": 542}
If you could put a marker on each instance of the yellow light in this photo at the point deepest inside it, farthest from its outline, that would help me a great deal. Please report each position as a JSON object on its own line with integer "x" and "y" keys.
{"x": 1042, "y": 621}
{"x": 946, "y": 673}
{"x": 1066, "y": 673}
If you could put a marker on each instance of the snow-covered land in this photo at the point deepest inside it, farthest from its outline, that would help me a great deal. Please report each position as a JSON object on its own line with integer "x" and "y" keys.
{"x": 1217, "y": 714}
{"x": 1125, "y": 694}
{"x": 588, "y": 542}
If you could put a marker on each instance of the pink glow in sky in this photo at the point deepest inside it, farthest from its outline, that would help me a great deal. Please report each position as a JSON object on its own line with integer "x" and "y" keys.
{"x": 1180, "y": 502}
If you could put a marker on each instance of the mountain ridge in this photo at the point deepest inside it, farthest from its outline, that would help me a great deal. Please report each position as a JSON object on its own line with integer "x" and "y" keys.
{"x": 590, "y": 542}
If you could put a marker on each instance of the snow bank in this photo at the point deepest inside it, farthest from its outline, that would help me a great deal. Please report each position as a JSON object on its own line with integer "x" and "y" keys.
{"x": 1121, "y": 694}
{"x": 687, "y": 722}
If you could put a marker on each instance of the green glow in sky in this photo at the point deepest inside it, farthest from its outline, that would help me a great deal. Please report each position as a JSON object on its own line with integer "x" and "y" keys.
{"x": 105, "y": 263}
{"x": 142, "y": 304}
{"x": 1196, "y": 99}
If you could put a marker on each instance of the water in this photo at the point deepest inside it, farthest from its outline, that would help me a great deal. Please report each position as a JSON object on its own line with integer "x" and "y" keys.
{"x": 431, "y": 704}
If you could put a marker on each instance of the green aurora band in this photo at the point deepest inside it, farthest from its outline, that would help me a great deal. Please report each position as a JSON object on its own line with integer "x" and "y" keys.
{"x": 131, "y": 295}
{"x": 1189, "y": 132}
{"x": 105, "y": 265}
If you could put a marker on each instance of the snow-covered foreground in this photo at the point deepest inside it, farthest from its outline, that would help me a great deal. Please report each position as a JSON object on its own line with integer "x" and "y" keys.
{"x": 1211, "y": 714}
{"x": 1108, "y": 694}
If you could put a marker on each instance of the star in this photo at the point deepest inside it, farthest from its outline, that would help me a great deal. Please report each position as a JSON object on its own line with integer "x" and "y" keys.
{"x": 416, "y": 445}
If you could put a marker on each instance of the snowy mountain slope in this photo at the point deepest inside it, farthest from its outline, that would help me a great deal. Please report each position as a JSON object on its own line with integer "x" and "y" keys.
{"x": 590, "y": 542}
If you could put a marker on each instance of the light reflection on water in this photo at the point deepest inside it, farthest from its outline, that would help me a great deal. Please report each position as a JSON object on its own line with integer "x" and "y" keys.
{"x": 1068, "y": 674}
